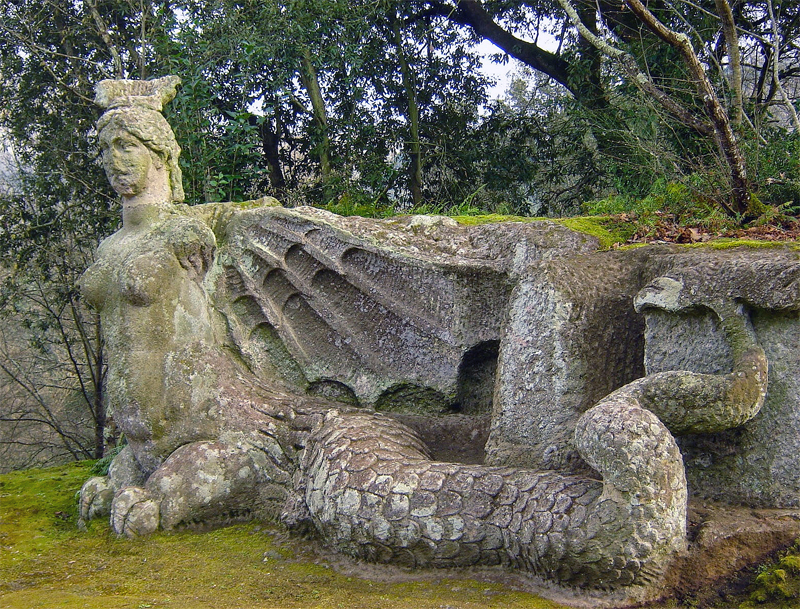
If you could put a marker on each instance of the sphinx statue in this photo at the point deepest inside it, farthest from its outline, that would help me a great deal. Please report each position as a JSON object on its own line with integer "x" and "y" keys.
{"x": 394, "y": 385}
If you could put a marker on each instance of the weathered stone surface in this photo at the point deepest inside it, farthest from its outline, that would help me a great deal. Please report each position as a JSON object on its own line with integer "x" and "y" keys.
{"x": 125, "y": 469}
{"x": 755, "y": 463}
{"x": 451, "y": 522}
{"x": 398, "y": 314}
{"x": 292, "y": 364}
{"x": 134, "y": 512}
{"x": 715, "y": 321}
{"x": 95, "y": 498}
{"x": 571, "y": 338}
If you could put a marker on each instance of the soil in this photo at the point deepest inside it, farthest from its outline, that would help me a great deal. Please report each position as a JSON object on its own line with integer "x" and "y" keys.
{"x": 668, "y": 230}
{"x": 726, "y": 544}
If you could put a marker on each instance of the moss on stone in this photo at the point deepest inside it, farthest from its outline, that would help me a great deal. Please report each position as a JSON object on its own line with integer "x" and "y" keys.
{"x": 491, "y": 219}
{"x": 611, "y": 231}
{"x": 726, "y": 243}
{"x": 606, "y": 229}
{"x": 777, "y": 585}
{"x": 45, "y": 561}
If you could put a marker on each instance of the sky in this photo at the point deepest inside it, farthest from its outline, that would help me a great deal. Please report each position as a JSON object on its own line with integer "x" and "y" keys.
{"x": 501, "y": 73}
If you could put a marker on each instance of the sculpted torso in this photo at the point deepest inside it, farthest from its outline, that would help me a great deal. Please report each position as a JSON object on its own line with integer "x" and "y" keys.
{"x": 146, "y": 285}
{"x": 156, "y": 320}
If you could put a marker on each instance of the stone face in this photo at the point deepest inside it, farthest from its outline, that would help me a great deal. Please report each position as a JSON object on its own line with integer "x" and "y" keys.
{"x": 344, "y": 374}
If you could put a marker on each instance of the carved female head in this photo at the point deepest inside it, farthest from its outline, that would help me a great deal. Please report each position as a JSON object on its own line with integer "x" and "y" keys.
{"x": 133, "y": 125}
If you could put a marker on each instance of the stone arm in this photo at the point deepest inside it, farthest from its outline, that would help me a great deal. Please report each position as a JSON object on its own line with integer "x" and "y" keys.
{"x": 193, "y": 244}
{"x": 690, "y": 402}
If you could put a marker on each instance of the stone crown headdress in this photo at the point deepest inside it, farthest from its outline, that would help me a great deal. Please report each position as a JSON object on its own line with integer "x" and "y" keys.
{"x": 151, "y": 94}
{"x": 136, "y": 105}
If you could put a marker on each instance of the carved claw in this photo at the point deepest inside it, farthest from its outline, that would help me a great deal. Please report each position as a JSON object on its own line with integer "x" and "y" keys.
{"x": 134, "y": 512}
{"x": 95, "y": 498}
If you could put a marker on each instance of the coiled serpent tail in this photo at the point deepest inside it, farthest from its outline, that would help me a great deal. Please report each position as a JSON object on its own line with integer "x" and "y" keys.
{"x": 374, "y": 493}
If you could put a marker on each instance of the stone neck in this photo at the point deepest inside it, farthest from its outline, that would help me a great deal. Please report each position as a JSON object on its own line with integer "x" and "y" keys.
{"x": 143, "y": 213}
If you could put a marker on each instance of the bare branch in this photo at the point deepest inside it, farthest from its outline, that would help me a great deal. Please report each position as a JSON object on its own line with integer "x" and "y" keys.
{"x": 775, "y": 69}
{"x": 102, "y": 29}
{"x": 637, "y": 77}
{"x": 732, "y": 46}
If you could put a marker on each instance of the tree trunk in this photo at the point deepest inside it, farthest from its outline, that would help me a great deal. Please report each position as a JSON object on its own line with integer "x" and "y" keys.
{"x": 718, "y": 126}
{"x": 414, "y": 148}
{"x": 473, "y": 14}
{"x": 270, "y": 140}
{"x": 723, "y": 132}
{"x": 776, "y": 62}
{"x": 732, "y": 46}
{"x": 308, "y": 76}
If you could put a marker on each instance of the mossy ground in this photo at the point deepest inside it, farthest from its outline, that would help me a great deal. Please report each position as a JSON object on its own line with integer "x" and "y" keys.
{"x": 46, "y": 562}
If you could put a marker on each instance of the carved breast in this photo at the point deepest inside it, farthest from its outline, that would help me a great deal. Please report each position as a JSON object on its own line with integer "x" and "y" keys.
{"x": 130, "y": 271}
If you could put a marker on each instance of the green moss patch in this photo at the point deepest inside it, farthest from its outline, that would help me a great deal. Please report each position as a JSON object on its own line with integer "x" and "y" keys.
{"x": 607, "y": 229}
{"x": 46, "y": 562}
{"x": 725, "y": 243}
{"x": 777, "y": 585}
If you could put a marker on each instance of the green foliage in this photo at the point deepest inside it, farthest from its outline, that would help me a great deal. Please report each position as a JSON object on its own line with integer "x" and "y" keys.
{"x": 683, "y": 203}
{"x": 100, "y": 467}
{"x": 356, "y": 203}
{"x": 775, "y": 169}
{"x": 534, "y": 153}
{"x": 332, "y": 102}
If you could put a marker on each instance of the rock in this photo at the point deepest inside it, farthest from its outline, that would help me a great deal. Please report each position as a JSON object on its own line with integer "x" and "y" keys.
{"x": 134, "y": 512}
{"x": 125, "y": 470}
{"x": 572, "y": 337}
{"x": 95, "y": 498}
{"x": 375, "y": 312}
{"x": 342, "y": 374}
{"x": 754, "y": 463}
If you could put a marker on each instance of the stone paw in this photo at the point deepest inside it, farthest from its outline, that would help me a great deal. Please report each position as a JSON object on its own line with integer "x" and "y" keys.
{"x": 95, "y": 498}
{"x": 134, "y": 512}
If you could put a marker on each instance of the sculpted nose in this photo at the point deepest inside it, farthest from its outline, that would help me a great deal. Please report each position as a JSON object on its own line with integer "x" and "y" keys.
{"x": 113, "y": 157}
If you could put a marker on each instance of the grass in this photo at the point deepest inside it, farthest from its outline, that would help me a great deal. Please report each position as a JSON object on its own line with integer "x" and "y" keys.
{"x": 618, "y": 220}
{"x": 46, "y": 562}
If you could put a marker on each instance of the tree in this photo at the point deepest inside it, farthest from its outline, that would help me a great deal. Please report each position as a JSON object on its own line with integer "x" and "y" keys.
{"x": 717, "y": 125}
{"x": 599, "y": 43}
{"x": 53, "y": 218}
{"x": 377, "y": 105}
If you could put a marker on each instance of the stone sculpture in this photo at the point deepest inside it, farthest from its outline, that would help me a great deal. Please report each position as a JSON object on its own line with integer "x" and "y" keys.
{"x": 295, "y": 365}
